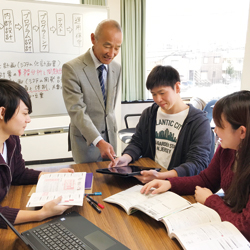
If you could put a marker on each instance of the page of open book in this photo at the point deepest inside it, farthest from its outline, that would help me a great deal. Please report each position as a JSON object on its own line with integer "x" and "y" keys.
{"x": 216, "y": 235}
{"x": 61, "y": 182}
{"x": 194, "y": 215}
{"x": 156, "y": 206}
{"x": 39, "y": 199}
{"x": 70, "y": 186}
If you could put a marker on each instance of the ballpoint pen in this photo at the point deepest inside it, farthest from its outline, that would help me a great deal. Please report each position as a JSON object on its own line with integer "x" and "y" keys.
{"x": 95, "y": 193}
{"x": 98, "y": 204}
{"x": 93, "y": 205}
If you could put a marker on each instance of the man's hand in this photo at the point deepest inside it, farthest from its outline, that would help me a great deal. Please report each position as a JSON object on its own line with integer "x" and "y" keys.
{"x": 149, "y": 175}
{"x": 107, "y": 151}
{"x": 121, "y": 161}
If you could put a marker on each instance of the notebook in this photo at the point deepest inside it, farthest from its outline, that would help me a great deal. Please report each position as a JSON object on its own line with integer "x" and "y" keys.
{"x": 88, "y": 183}
{"x": 83, "y": 234}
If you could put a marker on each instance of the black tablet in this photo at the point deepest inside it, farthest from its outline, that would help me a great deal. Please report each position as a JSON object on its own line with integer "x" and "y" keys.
{"x": 126, "y": 171}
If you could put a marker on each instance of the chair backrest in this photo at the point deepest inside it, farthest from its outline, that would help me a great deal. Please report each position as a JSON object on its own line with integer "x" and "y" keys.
{"x": 126, "y": 134}
{"x": 209, "y": 109}
{"x": 126, "y": 118}
{"x": 198, "y": 103}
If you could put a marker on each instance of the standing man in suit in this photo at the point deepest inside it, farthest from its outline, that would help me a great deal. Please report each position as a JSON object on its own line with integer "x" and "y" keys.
{"x": 90, "y": 95}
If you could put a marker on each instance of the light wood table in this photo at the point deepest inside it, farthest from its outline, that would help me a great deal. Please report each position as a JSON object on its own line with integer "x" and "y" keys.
{"x": 136, "y": 231}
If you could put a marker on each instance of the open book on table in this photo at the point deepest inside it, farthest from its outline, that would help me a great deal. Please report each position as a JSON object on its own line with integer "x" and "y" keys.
{"x": 70, "y": 186}
{"x": 195, "y": 226}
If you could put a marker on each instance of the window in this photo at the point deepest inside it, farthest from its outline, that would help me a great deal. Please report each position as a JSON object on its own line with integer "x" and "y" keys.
{"x": 203, "y": 40}
{"x": 205, "y": 59}
{"x": 217, "y": 59}
{"x": 62, "y": 1}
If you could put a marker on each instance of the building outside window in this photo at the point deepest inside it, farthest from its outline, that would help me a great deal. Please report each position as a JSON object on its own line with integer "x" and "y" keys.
{"x": 203, "y": 40}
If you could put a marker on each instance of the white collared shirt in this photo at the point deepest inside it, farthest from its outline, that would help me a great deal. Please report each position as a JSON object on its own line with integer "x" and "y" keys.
{"x": 4, "y": 154}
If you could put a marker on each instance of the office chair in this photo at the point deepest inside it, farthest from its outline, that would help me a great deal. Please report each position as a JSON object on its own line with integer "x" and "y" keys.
{"x": 198, "y": 103}
{"x": 126, "y": 134}
{"x": 209, "y": 109}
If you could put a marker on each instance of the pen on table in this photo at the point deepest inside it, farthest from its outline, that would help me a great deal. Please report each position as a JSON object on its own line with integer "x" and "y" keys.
{"x": 93, "y": 205}
{"x": 95, "y": 193}
{"x": 98, "y": 204}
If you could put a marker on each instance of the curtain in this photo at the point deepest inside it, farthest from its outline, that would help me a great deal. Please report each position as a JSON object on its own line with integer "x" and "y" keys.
{"x": 95, "y": 2}
{"x": 133, "y": 19}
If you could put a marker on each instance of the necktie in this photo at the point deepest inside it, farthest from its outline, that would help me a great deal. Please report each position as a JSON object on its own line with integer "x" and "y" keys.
{"x": 101, "y": 79}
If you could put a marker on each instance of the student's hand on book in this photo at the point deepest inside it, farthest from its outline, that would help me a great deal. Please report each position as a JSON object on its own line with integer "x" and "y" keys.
{"x": 120, "y": 161}
{"x": 52, "y": 208}
{"x": 63, "y": 170}
{"x": 159, "y": 185}
{"x": 201, "y": 194}
{"x": 66, "y": 170}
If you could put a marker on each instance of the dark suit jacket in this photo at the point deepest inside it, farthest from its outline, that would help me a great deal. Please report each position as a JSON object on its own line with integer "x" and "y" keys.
{"x": 84, "y": 102}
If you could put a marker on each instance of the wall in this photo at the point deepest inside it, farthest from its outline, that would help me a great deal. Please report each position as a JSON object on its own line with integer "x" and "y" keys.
{"x": 48, "y": 146}
{"x": 245, "y": 80}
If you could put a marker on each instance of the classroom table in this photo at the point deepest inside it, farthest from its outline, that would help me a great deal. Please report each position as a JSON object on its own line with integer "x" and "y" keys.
{"x": 136, "y": 231}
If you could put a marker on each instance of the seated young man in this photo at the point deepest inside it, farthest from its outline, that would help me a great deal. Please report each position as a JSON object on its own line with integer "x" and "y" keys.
{"x": 174, "y": 134}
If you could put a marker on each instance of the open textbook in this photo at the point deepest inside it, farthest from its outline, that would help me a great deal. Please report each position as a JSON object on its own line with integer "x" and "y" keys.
{"x": 195, "y": 226}
{"x": 70, "y": 186}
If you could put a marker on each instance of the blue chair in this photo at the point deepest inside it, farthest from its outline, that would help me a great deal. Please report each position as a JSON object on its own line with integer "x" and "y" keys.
{"x": 209, "y": 109}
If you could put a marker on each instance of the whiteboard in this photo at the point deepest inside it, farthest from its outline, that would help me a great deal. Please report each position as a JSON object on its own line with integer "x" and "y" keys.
{"x": 36, "y": 39}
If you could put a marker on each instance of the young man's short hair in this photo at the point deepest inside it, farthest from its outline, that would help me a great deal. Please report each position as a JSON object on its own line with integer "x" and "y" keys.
{"x": 10, "y": 95}
{"x": 162, "y": 76}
